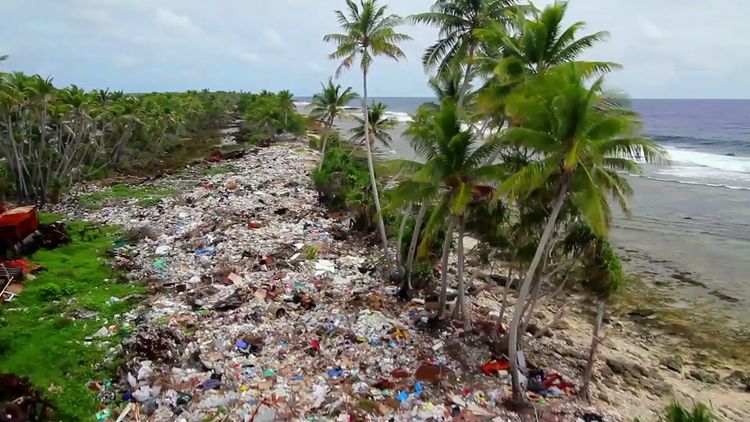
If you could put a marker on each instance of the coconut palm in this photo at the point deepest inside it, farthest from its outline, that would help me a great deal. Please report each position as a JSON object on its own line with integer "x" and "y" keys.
{"x": 580, "y": 146}
{"x": 328, "y": 105}
{"x": 368, "y": 32}
{"x": 602, "y": 277}
{"x": 454, "y": 174}
{"x": 535, "y": 42}
{"x": 457, "y": 44}
{"x": 286, "y": 103}
{"x": 378, "y": 124}
{"x": 445, "y": 85}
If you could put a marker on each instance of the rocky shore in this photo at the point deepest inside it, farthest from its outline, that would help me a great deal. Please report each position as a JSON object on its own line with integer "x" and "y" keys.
{"x": 265, "y": 306}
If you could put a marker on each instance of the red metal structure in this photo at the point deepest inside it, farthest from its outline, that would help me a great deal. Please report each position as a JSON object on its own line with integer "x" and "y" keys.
{"x": 16, "y": 224}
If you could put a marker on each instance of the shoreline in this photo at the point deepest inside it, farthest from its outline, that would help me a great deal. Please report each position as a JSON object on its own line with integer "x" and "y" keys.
{"x": 615, "y": 391}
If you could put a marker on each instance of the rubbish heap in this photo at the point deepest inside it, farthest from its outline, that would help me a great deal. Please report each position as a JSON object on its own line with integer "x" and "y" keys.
{"x": 264, "y": 307}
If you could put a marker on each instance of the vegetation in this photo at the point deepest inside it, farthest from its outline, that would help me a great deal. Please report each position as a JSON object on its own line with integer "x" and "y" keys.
{"x": 343, "y": 182}
{"x": 144, "y": 195}
{"x": 53, "y": 137}
{"x": 377, "y": 127}
{"x": 676, "y": 412}
{"x": 267, "y": 114}
{"x": 453, "y": 176}
{"x": 368, "y": 32}
{"x": 529, "y": 161}
{"x": 43, "y": 335}
{"x": 327, "y": 106}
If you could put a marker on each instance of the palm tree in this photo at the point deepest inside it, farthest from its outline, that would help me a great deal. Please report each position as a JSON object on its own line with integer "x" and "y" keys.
{"x": 377, "y": 126}
{"x": 286, "y": 102}
{"x": 446, "y": 85}
{"x": 327, "y": 106}
{"x": 368, "y": 32}
{"x": 602, "y": 277}
{"x": 3, "y": 58}
{"x": 538, "y": 43}
{"x": 580, "y": 146}
{"x": 458, "y": 21}
{"x": 454, "y": 174}
{"x": 535, "y": 43}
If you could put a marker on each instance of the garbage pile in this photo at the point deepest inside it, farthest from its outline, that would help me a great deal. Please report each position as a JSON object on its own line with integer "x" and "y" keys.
{"x": 260, "y": 311}
{"x": 20, "y": 401}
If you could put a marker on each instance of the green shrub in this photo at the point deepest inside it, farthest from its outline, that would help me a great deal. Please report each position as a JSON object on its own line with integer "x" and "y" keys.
{"x": 310, "y": 252}
{"x": 700, "y": 413}
{"x": 265, "y": 114}
{"x": 50, "y": 292}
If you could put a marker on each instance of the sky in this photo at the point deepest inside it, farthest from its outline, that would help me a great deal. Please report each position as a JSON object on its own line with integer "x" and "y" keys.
{"x": 669, "y": 48}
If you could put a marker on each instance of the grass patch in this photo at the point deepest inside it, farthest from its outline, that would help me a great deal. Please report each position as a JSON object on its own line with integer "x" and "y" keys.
{"x": 40, "y": 340}
{"x": 213, "y": 171}
{"x": 147, "y": 196}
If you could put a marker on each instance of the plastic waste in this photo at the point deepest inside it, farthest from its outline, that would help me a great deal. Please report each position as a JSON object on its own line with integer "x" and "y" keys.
{"x": 211, "y": 384}
{"x": 269, "y": 373}
{"x": 418, "y": 388}
{"x": 335, "y": 372}
{"x": 495, "y": 366}
{"x": 163, "y": 249}
{"x": 205, "y": 251}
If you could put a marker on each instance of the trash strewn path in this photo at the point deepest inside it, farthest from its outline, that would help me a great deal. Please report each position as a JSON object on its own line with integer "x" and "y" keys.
{"x": 263, "y": 307}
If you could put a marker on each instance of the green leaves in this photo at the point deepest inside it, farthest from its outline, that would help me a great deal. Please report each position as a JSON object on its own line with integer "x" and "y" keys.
{"x": 368, "y": 32}
{"x": 575, "y": 132}
{"x": 329, "y": 103}
{"x": 458, "y": 22}
{"x": 379, "y": 124}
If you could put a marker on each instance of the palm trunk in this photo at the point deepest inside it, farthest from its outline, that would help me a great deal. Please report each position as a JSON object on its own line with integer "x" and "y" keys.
{"x": 466, "y": 81}
{"x": 402, "y": 227}
{"x": 524, "y": 291}
{"x": 406, "y": 286}
{"x": 444, "y": 272}
{"x": 373, "y": 181}
{"x": 535, "y": 292}
{"x": 595, "y": 341}
{"x": 325, "y": 142}
{"x": 461, "y": 287}
{"x": 505, "y": 292}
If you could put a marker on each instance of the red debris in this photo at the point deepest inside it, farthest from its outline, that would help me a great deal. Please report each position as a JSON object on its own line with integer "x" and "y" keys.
{"x": 400, "y": 373}
{"x": 495, "y": 366}
{"x": 428, "y": 372}
{"x": 384, "y": 384}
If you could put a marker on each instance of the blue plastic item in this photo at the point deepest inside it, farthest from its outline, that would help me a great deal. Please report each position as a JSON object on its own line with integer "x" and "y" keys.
{"x": 418, "y": 388}
{"x": 206, "y": 251}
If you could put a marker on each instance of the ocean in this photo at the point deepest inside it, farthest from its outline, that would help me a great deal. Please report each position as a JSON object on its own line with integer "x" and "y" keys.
{"x": 690, "y": 223}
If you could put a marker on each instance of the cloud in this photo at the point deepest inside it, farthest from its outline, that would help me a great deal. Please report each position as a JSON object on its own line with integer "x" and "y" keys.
{"x": 651, "y": 31}
{"x": 247, "y": 57}
{"x": 125, "y": 61}
{"x": 315, "y": 67}
{"x": 177, "y": 22}
{"x": 273, "y": 38}
{"x": 667, "y": 50}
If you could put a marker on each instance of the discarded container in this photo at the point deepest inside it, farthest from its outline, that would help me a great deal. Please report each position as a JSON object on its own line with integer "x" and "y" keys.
{"x": 276, "y": 310}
